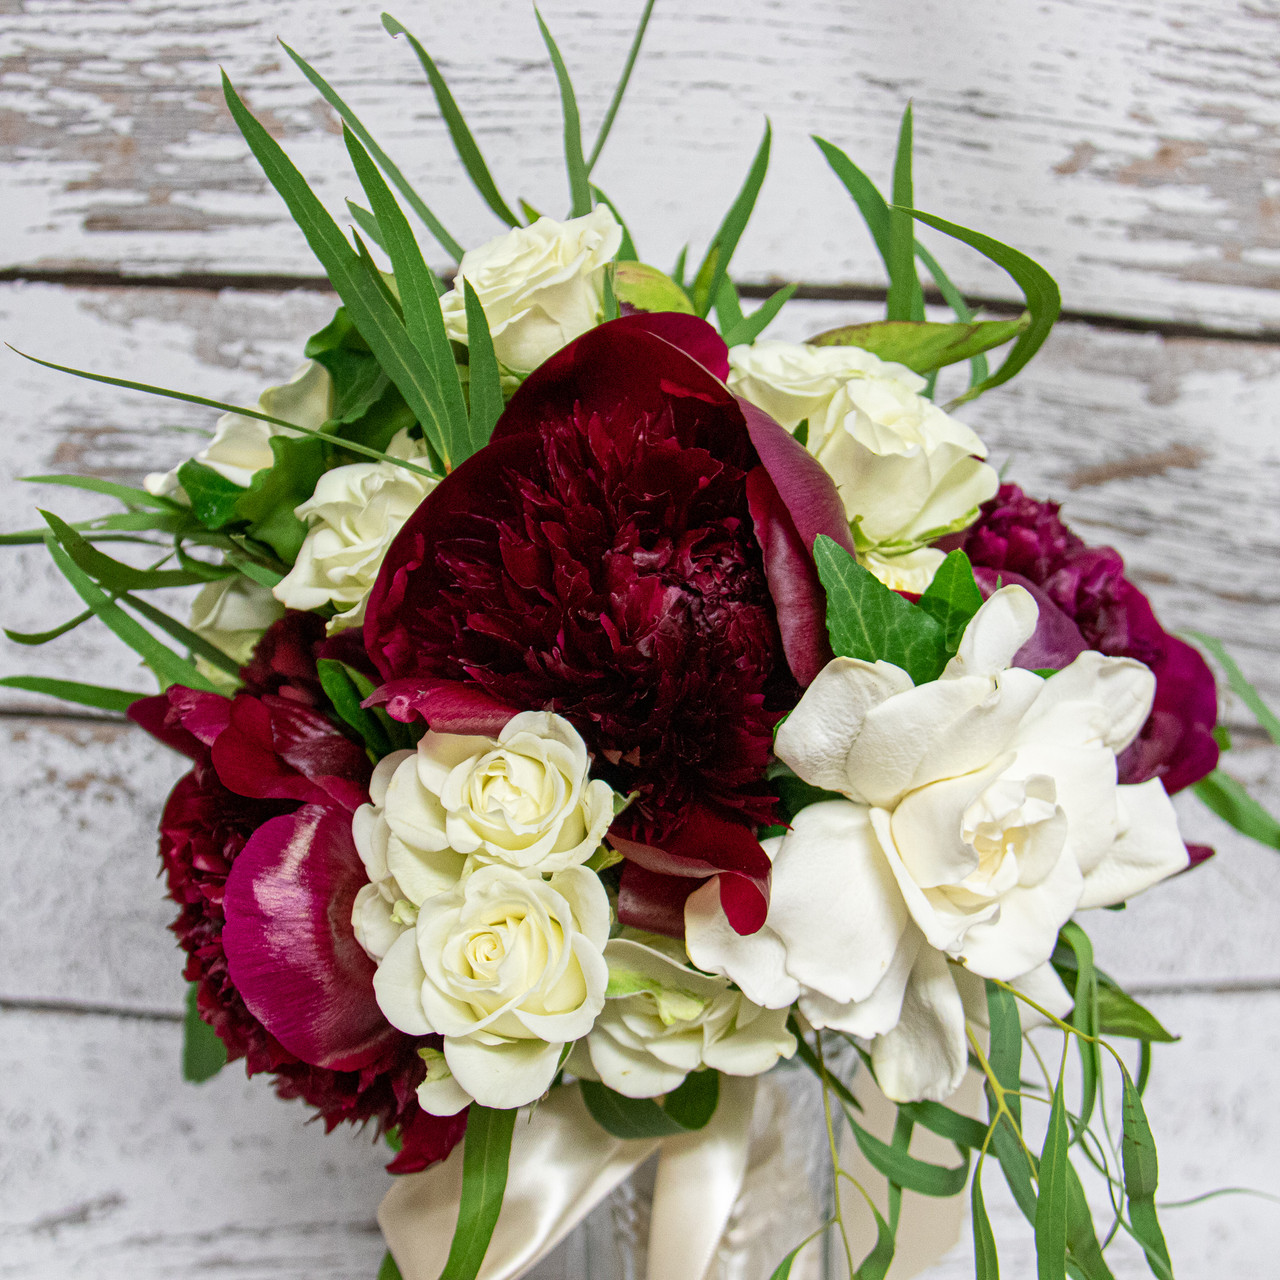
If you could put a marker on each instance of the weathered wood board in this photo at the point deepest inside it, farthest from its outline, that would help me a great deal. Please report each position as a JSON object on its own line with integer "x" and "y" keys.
{"x": 1133, "y": 147}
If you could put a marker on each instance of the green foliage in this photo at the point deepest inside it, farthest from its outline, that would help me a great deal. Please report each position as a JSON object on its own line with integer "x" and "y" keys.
{"x": 715, "y": 266}
{"x": 1233, "y": 804}
{"x": 649, "y": 289}
{"x": 952, "y": 598}
{"x": 574, "y": 162}
{"x": 749, "y": 328}
{"x": 906, "y": 1170}
{"x": 486, "y": 380}
{"x": 905, "y": 301}
{"x": 84, "y": 695}
{"x": 267, "y": 504}
{"x": 866, "y": 620}
{"x": 1141, "y": 1175}
{"x": 620, "y": 90}
{"x": 1240, "y": 686}
{"x": 1051, "y": 1203}
{"x": 684, "y": 1109}
{"x": 338, "y": 682}
{"x": 986, "y": 1262}
{"x": 203, "y": 1054}
{"x": 485, "y": 1156}
{"x": 924, "y": 345}
{"x": 389, "y": 1270}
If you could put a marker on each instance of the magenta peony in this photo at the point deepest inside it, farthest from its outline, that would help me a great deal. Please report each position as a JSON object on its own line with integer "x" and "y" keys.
{"x": 630, "y": 551}
{"x": 257, "y": 850}
{"x": 1094, "y": 606}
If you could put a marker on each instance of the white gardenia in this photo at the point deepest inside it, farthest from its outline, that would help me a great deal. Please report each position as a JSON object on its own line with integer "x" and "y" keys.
{"x": 354, "y": 513}
{"x": 241, "y": 445}
{"x": 906, "y": 471}
{"x": 540, "y": 286}
{"x": 508, "y": 968}
{"x": 663, "y": 1019}
{"x": 981, "y": 811}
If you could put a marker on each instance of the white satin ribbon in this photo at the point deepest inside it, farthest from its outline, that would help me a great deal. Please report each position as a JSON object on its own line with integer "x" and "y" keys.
{"x": 563, "y": 1164}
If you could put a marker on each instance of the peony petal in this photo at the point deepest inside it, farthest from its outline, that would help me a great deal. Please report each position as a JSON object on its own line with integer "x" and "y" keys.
{"x": 1147, "y": 850}
{"x": 446, "y": 705}
{"x": 291, "y": 949}
{"x": 995, "y": 634}
{"x": 1057, "y": 640}
{"x": 815, "y": 739}
{"x": 835, "y": 904}
{"x": 925, "y": 1055}
{"x": 689, "y": 334}
{"x": 157, "y": 716}
{"x": 511, "y": 1074}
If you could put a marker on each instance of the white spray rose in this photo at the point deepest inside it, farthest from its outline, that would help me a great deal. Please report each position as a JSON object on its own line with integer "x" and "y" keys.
{"x": 540, "y": 286}
{"x": 662, "y": 1019}
{"x": 508, "y": 968}
{"x": 354, "y": 514}
{"x": 240, "y": 445}
{"x": 232, "y": 613}
{"x": 906, "y": 471}
{"x": 982, "y": 810}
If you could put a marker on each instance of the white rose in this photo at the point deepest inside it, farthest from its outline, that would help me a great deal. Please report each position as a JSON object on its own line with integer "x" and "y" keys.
{"x": 232, "y": 613}
{"x": 240, "y": 445}
{"x": 662, "y": 1019}
{"x": 906, "y": 471}
{"x": 982, "y": 810}
{"x": 508, "y": 968}
{"x": 540, "y": 286}
{"x": 354, "y": 514}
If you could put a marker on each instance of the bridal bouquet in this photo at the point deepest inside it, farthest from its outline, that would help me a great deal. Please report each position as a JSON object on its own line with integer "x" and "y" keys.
{"x": 591, "y": 705}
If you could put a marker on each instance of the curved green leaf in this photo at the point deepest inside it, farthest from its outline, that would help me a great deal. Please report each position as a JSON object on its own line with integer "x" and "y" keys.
{"x": 485, "y": 1157}
{"x": 924, "y": 345}
{"x": 575, "y": 164}
{"x": 84, "y": 695}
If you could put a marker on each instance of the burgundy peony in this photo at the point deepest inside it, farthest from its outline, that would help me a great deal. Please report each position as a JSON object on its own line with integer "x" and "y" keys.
{"x": 630, "y": 551}
{"x": 1087, "y": 602}
{"x": 257, "y": 849}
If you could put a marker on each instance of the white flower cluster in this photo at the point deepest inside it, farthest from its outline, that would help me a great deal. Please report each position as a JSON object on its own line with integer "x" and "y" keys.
{"x": 490, "y": 931}
{"x": 981, "y": 810}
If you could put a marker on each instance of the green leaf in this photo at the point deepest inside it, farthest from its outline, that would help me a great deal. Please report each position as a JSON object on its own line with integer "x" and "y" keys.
{"x": 905, "y": 301}
{"x": 389, "y": 1270}
{"x": 366, "y": 222}
{"x": 184, "y": 635}
{"x": 1141, "y": 1175}
{"x": 955, "y": 300}
{"x": 963, "y": 1130}
{"x": 34, "y": 638}
{"x": 677, "y": 271}
{"x": 463, "y": 141}
{"x": 866, "y": 620}
{"x": 871, "y": 204}
{"x": 1038, "y": 287}
{"x": 419, "y": 298}
{"x": 953, "y": 597}
{"x": 330, "y": 95}
{"x": 213, "y": 496}
{"x": 85, "y": 695}
{"x": 485, "y": 1155}
{"x": 114, "y": 575}
{"x": 130, "y": 496}
{"x": 1233, "y": 804}
{"x": 380, "y": 327}
{"x": 877, "y": 1262}
{"x": 1240, "y": 686}
{"x": 341, "y": 690}
{"x": 795, "y": 794}
{"x": 203, "y": 1054}
{"x": 576, "y": 166}
{"x": 728, "y": 306}
{"x": 1119, "y": 1014}
{"x": 167, "y": 665}
{"x": 924, "y": 345}
{"x": 616, "y": 101}
{"x": 1005, "y": 1054}
{"x": 627, "y": 248}
{"x": 986, "y": 1262}
{"x": 648, "y": 289}
{"x": 1051, "y": 1205}
{"x": 1015, "y": 1166}
{"x": 686, "y": 1108}
{"x": 715, "y": 266}
{"x": 1085, "y": 1018}
{"x": 1082, "y": 1241}
{"x": 907, "y": 1171}
{"x": 273, "y": 493}
{"x": 486, "y": 380}
{"x": 749, "y": 328}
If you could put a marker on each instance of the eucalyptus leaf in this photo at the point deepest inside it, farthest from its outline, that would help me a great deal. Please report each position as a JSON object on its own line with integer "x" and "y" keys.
{"x": 1051, "y": 1204}
{"x": 906, "y": 1170}
{"x": 866, "y": 620}
{"x": 1085, "y": 1017}
{"x": 924, "y": 345}
{"x": 986, "y": 1261}
{"x": 1141, "y": 1176}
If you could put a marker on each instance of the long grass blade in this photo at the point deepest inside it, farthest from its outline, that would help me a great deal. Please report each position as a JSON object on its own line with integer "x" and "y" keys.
{"x": 575, "y": 164}
{"x": 616, "y": 101}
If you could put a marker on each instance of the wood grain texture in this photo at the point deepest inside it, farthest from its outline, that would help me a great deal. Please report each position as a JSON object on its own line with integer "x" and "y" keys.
{"x": 1133, "y": 147}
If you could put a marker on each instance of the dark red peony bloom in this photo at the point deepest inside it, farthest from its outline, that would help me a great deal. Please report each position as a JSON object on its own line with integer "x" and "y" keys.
{"x": 629, "y": 551}
{"x": 257, "y": 850}
{"x": 1088, "y": 603}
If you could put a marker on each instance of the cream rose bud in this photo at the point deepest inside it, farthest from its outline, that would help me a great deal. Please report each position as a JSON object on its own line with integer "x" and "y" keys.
{"x": 241, "y": 445}
{"x": 906, "y": 471}
{"x": 509, "y": 968}
{"x": 232, "y": 613}
{"x": 663, "y": 1019}
{"x": 354, "y": 514}
{"x": 540, "y": 286}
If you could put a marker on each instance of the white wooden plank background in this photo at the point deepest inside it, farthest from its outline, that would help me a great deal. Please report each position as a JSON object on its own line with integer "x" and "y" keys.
{"x": 1131, "y": 145}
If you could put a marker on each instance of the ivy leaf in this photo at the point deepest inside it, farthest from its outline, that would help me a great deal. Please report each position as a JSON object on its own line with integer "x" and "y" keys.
{"x": 267, "y": 505}
{"x": 953, "y": 597}
{"x": 866, "y": 620}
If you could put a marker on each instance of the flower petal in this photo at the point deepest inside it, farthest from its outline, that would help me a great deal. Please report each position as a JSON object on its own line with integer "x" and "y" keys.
{"x": 1147, "y": 850}
{"x": 290, "y": 946}
{"x": 511, "y": 1074}
{"x": 995, "y": 634}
